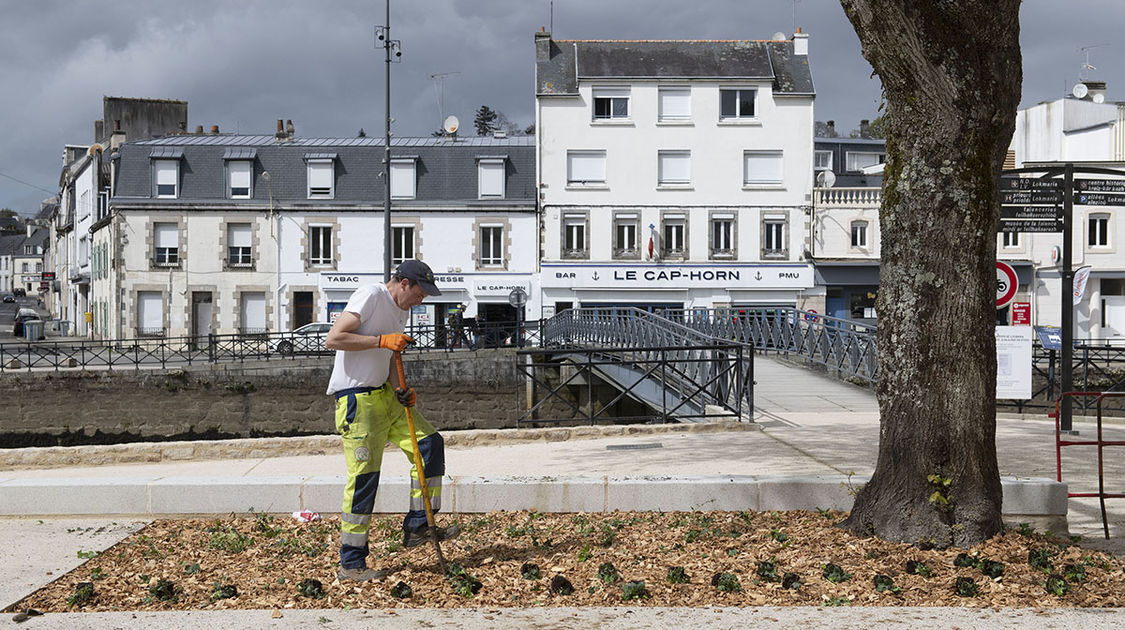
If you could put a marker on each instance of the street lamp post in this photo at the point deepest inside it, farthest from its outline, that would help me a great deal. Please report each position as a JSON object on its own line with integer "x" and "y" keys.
{"x": 383, "y": 34}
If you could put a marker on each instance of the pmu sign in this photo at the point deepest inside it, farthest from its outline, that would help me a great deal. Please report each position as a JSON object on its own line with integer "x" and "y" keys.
{"x": 1006, "y": 284}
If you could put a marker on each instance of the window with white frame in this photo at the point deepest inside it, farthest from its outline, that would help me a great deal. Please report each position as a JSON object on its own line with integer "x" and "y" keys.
{"x": 491, "y": 245}
{"x": 240, "y": 176}
{"x": 722, "y": 235}
{"x": 822, "y": 160}
{"x": 490, "y": 178}
{"x": 166, "y": 243}
{"x": 84, "y": 205}
{"x": 150, "y": 313}
{"x": 625, "y": 227}
{"x": 674, "y": 235}
{"x": 402, "y": 243}
{"x": 674, "y": 168}
{"x": 166, "y": 176}
{"x": 1011, "y": 239}
{"x": 38, "y": 267}
{"x": 773, "y": 237}
{"x": 403, "y": 178}
{"x": 675, "y": 104}
{"x": 859, "y": 234}
{"x": 25, "y": 267}
{"x": 320, "y": 245}
{"x": 737, "y": 103}
{"x": 611, "y": 103}
{"x": 859, "y": 160}
{"x": 762, "y": 168}
{"x": 322, "y": 178}
{"x": 1098, "y": 231}
{"x": 83, "y": 251}
{"x": 574, "y": 236}
{"x": 585, "y": 167}
{"x": 252, "y": 312}
{"x": 239, "y": 244}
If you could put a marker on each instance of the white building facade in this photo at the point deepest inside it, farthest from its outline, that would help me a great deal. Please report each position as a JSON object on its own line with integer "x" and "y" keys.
{"x": 674, "y": 174}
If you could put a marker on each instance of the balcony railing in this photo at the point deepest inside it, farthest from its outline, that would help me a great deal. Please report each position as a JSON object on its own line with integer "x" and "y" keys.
{"x": 867, "y": 197}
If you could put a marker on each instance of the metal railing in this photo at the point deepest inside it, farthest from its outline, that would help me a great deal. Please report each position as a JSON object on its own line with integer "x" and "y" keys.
{"x": 158, "y": 351}
{"x": 694, "y": 370}
{"x": 841, "y": 345}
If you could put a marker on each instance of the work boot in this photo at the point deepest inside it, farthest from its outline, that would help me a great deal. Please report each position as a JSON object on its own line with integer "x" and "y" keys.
{"x": 413, "y": 539}
{"x": 361, "y": 574}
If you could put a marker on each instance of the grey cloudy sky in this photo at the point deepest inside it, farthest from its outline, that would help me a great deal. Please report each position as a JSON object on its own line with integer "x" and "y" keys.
{"x": 242, "y": 65}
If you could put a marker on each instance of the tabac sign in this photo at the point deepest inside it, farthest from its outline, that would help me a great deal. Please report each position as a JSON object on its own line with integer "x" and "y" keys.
{"x": 663, "y": 276}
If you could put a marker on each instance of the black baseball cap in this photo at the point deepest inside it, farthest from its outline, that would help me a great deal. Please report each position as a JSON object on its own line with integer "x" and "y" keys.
{"x": 419, "y": 272}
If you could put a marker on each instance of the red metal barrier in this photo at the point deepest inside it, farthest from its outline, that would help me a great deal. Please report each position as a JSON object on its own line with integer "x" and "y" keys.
{"x": 1100, "y": 442}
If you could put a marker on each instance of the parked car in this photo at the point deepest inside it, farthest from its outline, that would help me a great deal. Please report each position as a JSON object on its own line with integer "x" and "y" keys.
{"x": 18, "y": 292}
{"x": 8, "y": 297}
{"x": 308, "y": 339}
{"x": 25, "y": 315}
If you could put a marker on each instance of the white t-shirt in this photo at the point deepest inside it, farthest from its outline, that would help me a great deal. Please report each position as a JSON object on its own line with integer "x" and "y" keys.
{"x": 378, "y": 315}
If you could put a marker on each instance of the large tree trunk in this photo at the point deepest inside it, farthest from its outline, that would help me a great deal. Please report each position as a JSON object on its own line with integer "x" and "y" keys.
{"x": 951, "y": 74}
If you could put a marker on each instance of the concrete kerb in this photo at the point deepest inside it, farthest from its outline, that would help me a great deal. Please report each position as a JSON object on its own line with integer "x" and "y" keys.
{"x": 1040, "y": 502}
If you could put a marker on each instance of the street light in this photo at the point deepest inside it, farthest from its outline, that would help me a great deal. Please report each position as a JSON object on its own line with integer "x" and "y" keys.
{"x": 383, "y": 34}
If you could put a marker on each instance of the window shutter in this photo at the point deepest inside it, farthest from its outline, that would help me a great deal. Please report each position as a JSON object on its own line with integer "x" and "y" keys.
{"x": 151, "y": 310}
{"x": 402, "y": 179}
{"x": 239, "y": 177}
{"x": 320, "y": 178}
{"x": 238, "y": 235}
{"x": 491, "y": 178}
{"x": 675, "y": 167}
{"x": 586, "y": 166}
{"x": 763, "y": 167}
{"x": 675, "y": 103}
{"x": 167, "y": 176}
{"x": 254, "y": 311}
{"x": 166, "y": 235}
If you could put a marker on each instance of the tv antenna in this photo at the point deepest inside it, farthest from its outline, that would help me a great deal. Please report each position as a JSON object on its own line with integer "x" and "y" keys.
{"x": 1087, "y": 66}
{"x": 439, "y": 91}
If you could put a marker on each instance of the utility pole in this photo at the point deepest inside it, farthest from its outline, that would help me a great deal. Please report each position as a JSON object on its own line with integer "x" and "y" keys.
{"x": 383, "y": 34}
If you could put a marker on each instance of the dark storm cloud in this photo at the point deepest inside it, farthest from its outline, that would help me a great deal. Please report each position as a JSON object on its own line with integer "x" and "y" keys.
{"x": 241, "y": 65}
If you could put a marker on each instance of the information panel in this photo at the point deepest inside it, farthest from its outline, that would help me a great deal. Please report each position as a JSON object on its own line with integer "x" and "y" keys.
{"x": 1013, "y": 362}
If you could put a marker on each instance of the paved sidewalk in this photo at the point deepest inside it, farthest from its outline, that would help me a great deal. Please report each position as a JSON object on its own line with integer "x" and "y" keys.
{"x": 810, "y": 425}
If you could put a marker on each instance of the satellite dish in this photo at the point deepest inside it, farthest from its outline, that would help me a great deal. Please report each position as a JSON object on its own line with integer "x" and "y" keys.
{"x": 826, "y": 179}
{"x": 1080, "y": 90}
{"x": 779, "y": 37}
{"x": 1099, "y": 98}
{"x": 451, "y": 124}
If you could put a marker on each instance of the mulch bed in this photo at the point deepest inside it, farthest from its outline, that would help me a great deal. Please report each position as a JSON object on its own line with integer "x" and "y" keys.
{"x": 272, "y": 560}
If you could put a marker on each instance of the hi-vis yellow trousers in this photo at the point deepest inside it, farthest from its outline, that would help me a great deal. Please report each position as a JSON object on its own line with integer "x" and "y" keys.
{"x": 367, "y": 418}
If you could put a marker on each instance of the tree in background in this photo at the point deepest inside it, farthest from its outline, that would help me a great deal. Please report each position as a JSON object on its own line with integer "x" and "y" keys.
{"x": 485, "y": 120}
{"x": 952, "y": 75}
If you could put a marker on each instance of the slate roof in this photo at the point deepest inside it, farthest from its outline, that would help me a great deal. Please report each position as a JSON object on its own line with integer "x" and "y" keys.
{"x": 561, "y": 64}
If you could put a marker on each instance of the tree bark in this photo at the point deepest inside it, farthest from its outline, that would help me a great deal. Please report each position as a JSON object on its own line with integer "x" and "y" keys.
{"x": 951, "y": 73}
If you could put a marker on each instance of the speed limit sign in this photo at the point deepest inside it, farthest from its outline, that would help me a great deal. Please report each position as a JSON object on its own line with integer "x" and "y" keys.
{"x": 1006, "y": 284}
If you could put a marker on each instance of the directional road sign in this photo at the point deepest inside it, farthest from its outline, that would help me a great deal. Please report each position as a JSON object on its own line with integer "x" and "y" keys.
{"x": 1100, "y": 185}
{"x": 1099, "y": 199}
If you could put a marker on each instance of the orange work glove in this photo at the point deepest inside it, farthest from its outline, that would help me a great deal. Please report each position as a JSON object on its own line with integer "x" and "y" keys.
{"x": 395, "y": 342}
{"x": 406, "y": 397}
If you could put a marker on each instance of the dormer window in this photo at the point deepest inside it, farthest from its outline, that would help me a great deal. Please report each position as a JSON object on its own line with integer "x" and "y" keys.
{"x": 240, "y": 172}
{"x": 166, "y": 172}
{"x": 404, "y": 178}
{"x": 321, "y": 175}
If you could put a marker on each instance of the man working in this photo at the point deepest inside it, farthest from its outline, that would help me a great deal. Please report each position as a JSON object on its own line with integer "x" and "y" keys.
{"x": 369, "y": 412}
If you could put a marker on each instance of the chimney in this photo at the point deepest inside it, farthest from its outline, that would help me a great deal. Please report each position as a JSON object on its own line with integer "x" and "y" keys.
{"x": 542, "y": 45}
{"x": 29, "y": 230}
{"x": 800, "y": 43}
{"x": 118, "y": 137}
{"x": 280, "y": 135}
{"x": 831, "y": 125}
{"x": 865, "y": 129}
{"x": 289, "y": 129}
{"x": 199, "y": 129}
{"x": 214, "y": 129}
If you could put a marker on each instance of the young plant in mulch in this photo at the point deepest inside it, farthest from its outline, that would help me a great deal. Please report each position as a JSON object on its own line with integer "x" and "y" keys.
{"x": 401, "y": 590}
{"x": 778, "y": 535}
{"x": 991, "y": 568}
{"x": 1074, "y": 572}
{"x": 634, "y": 590}
{"x": 464, "y": 584}
{"x": 966, "y": 587}
{"x": 223, "y": 591}
{"x": 886, "y": 584}
{"x": 165, "y": 590}
{"x": 310, "y": 588}
{"x": 767, "y": 570}
{"x": 835, "y": 573}
{"x": 726, "y": 582}
{"x": 791, "y": 581}
{"x": 529, "y": 571}
{"x": 83, "y": 593}
{"x": 917, "y": 567}
{"x": 561, "y": 586}
{"x": 1040, "y": 559}
{"x": 608, "y": 574}
{"x": 1056, "y": 585}
{"x": 677, "y": 575}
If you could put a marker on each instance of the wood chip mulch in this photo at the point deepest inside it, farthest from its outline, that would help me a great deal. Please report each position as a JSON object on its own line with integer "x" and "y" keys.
{"x": 269, "y": 559}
